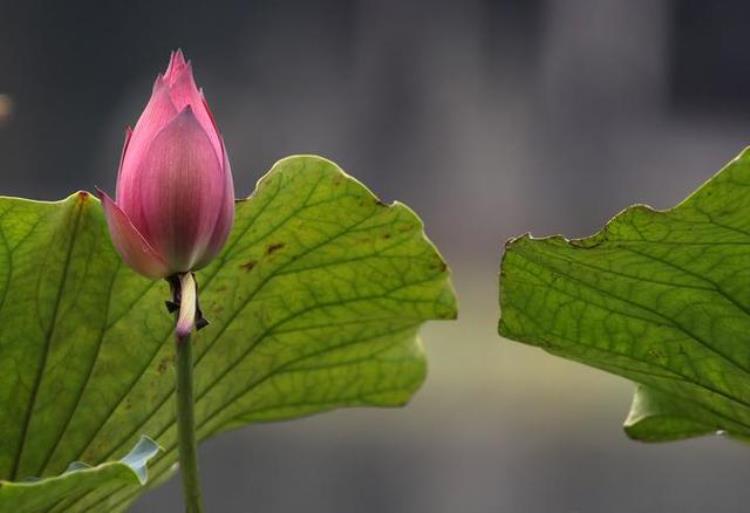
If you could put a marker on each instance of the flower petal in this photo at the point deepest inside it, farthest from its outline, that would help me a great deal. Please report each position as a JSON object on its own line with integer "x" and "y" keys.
{"x": 183, "y": 92}
{"x": 133, "y": 248}
{"x": 176, "y": 64}
{"x": 225, "y": 220}
{"x": 182, "y": 185}
{"x": 128, "y": 135}
{"x": 158, "y": 113}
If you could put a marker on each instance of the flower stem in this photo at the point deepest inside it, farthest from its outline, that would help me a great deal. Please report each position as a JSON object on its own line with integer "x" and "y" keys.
{"x": 185, "y": 415}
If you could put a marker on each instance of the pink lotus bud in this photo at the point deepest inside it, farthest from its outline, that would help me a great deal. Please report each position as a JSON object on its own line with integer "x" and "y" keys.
{"x": 175, "y": 197}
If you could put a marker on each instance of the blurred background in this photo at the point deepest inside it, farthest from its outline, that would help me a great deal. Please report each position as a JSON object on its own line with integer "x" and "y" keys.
{"x": 490, "y": 118}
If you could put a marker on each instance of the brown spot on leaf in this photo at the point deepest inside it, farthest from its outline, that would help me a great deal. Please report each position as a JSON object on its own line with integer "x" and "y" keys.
{"x": 380, "y": 203}
{"x": 163, "y": 364}
{"x": 273, "y": 248}
{"x": 249, "y": 265}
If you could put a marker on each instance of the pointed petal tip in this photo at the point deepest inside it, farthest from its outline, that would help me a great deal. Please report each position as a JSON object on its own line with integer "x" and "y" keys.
{"x": 177, "y": 64}
{"x": 158, "y": 83}
{"x": 128, "y": 137}
{"x": 103, "y": 197}
{"x": 184, "y": 61}
{"x": 179, "y": 55}
{"x": 187, "y": 114}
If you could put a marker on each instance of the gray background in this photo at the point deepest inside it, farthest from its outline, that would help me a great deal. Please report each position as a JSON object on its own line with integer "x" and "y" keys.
{"x": 490, "y": 118}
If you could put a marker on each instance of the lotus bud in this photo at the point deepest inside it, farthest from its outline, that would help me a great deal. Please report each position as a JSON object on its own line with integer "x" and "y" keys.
{"x": 174, "y": 204}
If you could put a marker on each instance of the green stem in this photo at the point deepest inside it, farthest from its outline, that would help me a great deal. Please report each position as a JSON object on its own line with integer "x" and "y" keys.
{"x": 185, "y": 415}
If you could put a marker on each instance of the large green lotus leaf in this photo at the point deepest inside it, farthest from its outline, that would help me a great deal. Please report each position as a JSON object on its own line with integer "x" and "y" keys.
{"x": 659, "y": 297}
{"x": 314, "y": 304}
